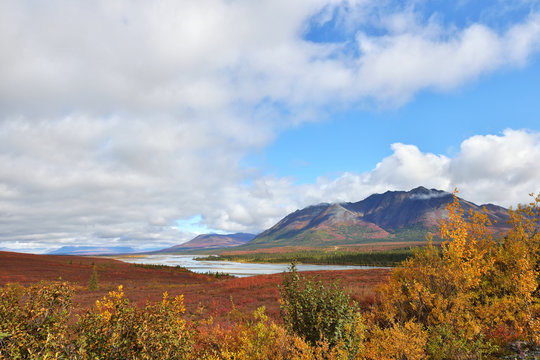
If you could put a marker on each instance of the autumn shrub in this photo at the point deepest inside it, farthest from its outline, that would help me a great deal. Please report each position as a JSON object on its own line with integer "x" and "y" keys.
{"x": 258, "y": 339}
{"x": 319, "y": 313}
{"x": 33, "y": 320}
{"x": 398, "y": 341}
{"x": 515, "y": 278}
{"x": 448, "y": 342}
{"x": 263, "y": 339}
{"x": 476, "y": 293}
{"x": 118, "y": 330}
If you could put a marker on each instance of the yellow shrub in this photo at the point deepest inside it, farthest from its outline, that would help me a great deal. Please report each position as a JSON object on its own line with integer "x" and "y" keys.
{"x": 475, "y": 292}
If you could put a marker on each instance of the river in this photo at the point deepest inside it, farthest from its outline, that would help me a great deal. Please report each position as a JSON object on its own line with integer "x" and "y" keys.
{"x": 229, "y": 267}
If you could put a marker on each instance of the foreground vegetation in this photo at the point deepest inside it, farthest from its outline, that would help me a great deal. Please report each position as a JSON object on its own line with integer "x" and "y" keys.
{"x": 377, "y": 258}
{"x": 466, "y": 300}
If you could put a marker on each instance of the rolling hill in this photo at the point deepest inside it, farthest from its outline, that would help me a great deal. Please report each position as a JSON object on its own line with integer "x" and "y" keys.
{"x": 210, "y": 241}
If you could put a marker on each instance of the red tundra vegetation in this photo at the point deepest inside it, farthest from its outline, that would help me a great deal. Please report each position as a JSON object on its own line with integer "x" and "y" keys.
{"x": 204, "y": 295}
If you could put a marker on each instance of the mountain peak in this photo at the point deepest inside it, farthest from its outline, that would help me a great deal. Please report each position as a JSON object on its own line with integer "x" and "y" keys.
{"x": 421, "y": 190}
{"x": 391, "y": 216}
{"x": 422, "y": 193}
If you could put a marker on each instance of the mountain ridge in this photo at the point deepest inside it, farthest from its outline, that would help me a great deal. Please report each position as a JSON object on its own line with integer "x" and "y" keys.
{"x": 390, "y": 216}
{"x": 401, "y": 217}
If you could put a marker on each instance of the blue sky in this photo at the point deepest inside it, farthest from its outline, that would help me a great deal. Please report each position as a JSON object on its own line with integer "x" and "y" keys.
{"x": 143, "y": 124}
{"x": 357, "y": 137}
{"x": 437, "y": 122}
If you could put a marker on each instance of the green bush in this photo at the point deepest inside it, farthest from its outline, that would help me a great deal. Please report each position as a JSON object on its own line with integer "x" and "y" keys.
{"x": 93, "y": 282}
{"x": 318, "y": 313}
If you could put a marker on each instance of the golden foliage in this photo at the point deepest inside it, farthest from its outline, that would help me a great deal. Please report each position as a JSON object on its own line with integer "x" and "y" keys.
{"x": 33, "y": 320}
{"x": 118, "y": 330}
{"x": 476, "y": 287}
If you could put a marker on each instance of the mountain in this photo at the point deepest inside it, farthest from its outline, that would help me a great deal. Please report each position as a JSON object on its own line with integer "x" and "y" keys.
{"x": 211, "y": 241}
{"x": 392, "y": 216}
{"x": 92, "y": 250}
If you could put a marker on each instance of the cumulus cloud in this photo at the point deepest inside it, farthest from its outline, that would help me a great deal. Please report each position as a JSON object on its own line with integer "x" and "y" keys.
{"x": 395, "y": 66}
{"x": 118, "y": 118}
{"x": 501, "y": 169}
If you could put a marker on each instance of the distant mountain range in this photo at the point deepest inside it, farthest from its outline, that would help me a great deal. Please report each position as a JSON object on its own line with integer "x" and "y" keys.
{"x": 92, "y": 250}
{"x": 392, "y": 216}
{"x": 210, "y": 241}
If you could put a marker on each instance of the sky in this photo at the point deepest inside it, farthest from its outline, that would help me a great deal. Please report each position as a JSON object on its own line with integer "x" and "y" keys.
{"x": 145, "y": 123}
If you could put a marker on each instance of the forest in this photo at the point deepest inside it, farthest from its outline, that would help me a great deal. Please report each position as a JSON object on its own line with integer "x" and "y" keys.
{"x": 375, "y": 258}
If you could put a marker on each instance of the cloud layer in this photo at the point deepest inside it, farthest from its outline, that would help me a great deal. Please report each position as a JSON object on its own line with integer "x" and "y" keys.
{"x": 118, "y": 118}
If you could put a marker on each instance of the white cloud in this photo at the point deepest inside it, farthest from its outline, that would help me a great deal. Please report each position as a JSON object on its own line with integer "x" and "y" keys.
{"x": 395, "y": 66}
{"x": 501, "y": 169}
{"x": 119, "y": 118}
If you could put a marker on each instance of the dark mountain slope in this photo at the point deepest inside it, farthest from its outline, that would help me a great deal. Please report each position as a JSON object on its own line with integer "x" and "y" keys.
{"x": 392, "y": 216}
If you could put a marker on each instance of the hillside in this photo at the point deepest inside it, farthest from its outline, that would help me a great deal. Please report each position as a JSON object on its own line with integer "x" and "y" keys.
{"x": 404, "y": 216}
{"x": 210, "y": 241}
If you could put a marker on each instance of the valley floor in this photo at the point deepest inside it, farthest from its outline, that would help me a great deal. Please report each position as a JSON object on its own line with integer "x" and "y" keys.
{"x": 204, "y": 295}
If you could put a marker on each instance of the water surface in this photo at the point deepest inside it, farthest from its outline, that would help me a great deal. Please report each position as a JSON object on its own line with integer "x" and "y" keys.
{"x": 228, "y": 267}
